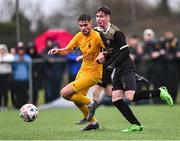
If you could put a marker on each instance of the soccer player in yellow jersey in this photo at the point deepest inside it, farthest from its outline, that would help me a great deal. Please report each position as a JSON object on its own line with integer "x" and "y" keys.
{"x": 90, "y": 44}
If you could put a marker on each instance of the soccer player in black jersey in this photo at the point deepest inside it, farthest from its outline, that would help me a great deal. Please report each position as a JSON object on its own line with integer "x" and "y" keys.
{"x": 106, "y": 80}
{"x": 124, "y": 82}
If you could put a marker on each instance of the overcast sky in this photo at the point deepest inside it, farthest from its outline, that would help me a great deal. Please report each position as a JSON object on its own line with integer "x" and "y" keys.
{"x": 174, "y": 4}
{"x": 36, "y": 9}
{"x": 49, "y": 7}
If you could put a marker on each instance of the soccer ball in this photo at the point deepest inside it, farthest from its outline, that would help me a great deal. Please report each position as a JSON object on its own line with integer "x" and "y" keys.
{"x": 28, "y": 112}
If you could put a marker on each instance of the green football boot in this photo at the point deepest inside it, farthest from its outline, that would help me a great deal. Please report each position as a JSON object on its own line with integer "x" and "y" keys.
{"x": 165, "y": 96}
{"x": 133, "y": 128}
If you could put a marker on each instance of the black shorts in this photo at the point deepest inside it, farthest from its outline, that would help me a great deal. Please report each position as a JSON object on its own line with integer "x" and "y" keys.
{"x": 106, "y": 75}
{"x": 106, "y": 79}
{"x": 124, "y": 81}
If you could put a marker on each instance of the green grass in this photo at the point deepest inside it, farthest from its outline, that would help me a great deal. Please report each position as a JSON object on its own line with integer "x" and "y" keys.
{"x": 160, "y": 123}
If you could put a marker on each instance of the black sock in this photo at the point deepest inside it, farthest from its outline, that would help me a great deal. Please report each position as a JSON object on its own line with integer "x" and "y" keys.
{"x": 146, "y": 94}
{"x": 126, "y": 111}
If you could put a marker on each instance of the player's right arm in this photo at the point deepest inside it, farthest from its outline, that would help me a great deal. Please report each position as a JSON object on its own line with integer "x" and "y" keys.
{"x": 62, "y": 51}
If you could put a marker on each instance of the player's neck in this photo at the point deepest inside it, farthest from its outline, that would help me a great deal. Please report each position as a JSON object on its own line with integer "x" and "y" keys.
{"x": 87, "y": 35}
{"x": 106, "y": 28}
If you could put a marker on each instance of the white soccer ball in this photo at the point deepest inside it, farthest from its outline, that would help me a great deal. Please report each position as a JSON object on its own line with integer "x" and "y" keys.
{"x": 29, "y": 112}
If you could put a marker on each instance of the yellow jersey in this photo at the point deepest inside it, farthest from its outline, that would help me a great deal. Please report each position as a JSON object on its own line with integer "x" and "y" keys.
{"x": 90, "y": 47}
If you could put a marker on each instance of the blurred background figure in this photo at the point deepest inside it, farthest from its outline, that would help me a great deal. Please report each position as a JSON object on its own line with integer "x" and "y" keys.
{"x": 73, "y": 64}
{"x": 13, "y": 101}
{"x": 156, "y": 70}
{"x": 21, "y": 76}
{"x": 133, "y": 42}
{"x": 13, "y": 51}
{"x": 37, "y": 69}
{"x": 171, "y": 46}
{"x": 5, "y": 75}
{"x": 138, "y": 55}
{"x": 54, "y": 68}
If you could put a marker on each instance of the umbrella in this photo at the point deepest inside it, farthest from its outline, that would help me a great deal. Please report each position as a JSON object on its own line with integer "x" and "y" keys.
{"x": 61, "y": 36}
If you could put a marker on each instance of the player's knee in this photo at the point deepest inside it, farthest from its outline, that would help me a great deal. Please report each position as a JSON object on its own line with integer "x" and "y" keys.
{"x": 66, "y": 93}
{"x": 129, "y": 98}
{"x": 129, "y": 95}
{"x": 63, "y": 93}
{"x": 116, "y": 96}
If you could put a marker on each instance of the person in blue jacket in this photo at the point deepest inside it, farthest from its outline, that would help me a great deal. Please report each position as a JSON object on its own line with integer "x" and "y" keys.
{"x": 73, "y": 64}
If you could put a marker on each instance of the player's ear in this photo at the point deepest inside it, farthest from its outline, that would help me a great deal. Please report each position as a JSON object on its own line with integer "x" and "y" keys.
{"x": 108, "y": 18}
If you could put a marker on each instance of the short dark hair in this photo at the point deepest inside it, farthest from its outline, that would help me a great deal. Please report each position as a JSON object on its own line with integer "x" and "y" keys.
{"x": 104, "y": 9}
{"x": 84, "y": 17}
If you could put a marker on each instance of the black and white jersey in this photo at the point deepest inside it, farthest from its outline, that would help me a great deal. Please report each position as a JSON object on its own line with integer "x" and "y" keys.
{"x": 118, "y": 48}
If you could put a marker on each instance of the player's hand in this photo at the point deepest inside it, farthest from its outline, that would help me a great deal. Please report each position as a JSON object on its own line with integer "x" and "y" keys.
{"x": 79, "y": 58}
{"x": 101, "y": 58}
{"x": 110, "y": 68}
{"x": 53, "y": 51}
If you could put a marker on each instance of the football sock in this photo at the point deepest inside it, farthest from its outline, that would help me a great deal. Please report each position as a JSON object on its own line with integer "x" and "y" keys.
{"x": 126, "y": 111}
{"x": 93, "y": 120}
{"x": 146, "y": 94}
{"x": 84, "y": 110}
{"x": 81, "y": 99}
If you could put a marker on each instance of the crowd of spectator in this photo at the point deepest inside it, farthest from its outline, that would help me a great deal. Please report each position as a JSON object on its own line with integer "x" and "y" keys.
{"x": 158, "y": 59}
{"x": 23, "y": 65}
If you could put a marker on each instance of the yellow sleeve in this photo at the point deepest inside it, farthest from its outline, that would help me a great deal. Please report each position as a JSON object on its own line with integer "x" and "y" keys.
{"x": 73, "y": 43}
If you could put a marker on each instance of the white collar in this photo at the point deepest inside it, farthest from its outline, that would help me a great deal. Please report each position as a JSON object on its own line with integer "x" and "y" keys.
{"x": 109, "y": 24}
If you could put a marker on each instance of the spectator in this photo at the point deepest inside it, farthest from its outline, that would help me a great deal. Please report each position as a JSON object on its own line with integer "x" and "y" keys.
{"x": 73, "y": 65}
{"x": 133, "y": 42}
{"x": 54, "y": 69}
{"x": 13, "y": 101}
{"x": 21, "y": 68}
{"x": 156, "y": 70}
{"x": 171, "y": 45}
{"x": 137, "y": 54}
{"x": 5, "y": 75}
{"x": 36, "y": 71}
{"x": 13, "y": 51}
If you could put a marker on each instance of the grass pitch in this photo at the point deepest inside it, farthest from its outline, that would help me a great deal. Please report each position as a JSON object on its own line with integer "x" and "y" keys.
{"x": 160, "y": 123}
